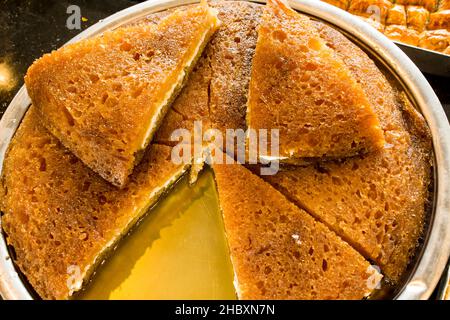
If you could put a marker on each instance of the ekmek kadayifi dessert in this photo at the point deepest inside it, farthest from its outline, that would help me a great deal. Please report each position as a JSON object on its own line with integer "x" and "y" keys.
{"x": 62, "y": 218}
{"x": 104, "y": 97}
{"x": 376, "y": 202}
{"x": 300, "y": 87}
{"x": 279, "y": 251}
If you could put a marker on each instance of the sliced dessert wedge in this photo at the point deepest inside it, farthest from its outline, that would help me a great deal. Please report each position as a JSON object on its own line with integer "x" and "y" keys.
{"x": 279, "y": 251}
{"x": 406, "y": 161}
{"x": 376, "y": 202}
{"x": 104, "y": 97}
{"x": 302, "y": 88}
{"x": 61, "y": 218}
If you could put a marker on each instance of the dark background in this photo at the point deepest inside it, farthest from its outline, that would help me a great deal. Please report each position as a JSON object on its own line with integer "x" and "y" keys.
{"x": 30, "y": 28}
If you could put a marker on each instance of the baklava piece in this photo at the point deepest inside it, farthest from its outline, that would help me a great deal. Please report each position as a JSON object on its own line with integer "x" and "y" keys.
{"x": 444, "y": 5}
{"x": 430, "y": 5}
{"x": 396, "y": 15}
{"x": 440, "y": 20}
{"x": 377, "y": 9}
{"x": 437, "y": 40}
{"x": 417, "y": 18}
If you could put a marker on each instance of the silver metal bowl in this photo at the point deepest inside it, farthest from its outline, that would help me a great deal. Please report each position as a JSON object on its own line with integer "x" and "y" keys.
{"x": 430, "y": 262}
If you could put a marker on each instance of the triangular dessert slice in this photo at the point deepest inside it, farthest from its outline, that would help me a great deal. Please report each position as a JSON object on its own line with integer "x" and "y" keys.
{"x": 301, "y": 87}
{"x": 60, "y": 217}
{"x": 105, "y": 97}
{"x": 376, "y": 202}
{"x": 279, "y": 251}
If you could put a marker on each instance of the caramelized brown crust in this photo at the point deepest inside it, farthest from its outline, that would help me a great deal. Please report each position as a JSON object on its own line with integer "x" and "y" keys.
{"x": 278, "y": 250}
{"x": 233, "y": 48}
{"x": 375, "y": 202}
{"x": 301, "y": 88}
{"x": 342, "y": 194}
{"x": 104, "y": 97}
{"x": 216, "y": 92}
{"x": 69, "y": 247}
{"x": 61, "y": 217}
{"x": 380, "y": 93}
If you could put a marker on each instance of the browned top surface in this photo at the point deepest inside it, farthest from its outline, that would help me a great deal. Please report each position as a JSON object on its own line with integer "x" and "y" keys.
{"x": 376, "y": 202}
{"x": 301, "y": 88}
{"x": 59, "y": 214}
{"x": 216, "y": 92}
{"x": 98, "y": 96}
{"x": 278, "y": 250}
{"x": 403, "y": 169}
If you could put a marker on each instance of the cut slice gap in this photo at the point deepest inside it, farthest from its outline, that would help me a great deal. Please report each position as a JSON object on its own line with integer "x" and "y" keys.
{"x": 178, "y": 252}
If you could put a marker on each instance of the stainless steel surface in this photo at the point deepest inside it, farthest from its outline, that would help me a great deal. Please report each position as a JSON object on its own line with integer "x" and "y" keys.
{"x": 428, "y": 61}
{"x": 435, "y": 253}
{"x": 443, "y": 290}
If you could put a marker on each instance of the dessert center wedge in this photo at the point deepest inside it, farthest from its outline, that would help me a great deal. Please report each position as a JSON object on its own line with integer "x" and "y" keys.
{"x": 104, "y": 98}
{"x": 302, "y": 88}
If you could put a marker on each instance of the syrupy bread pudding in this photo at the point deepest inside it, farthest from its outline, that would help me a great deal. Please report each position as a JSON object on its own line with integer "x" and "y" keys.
{"x": 278, "y": 250}
{"x": 105, "y": 97}
{"x": 299, "y": 86}
{"x": 60, "y": 217}
{"x": 421, "y": 23}
{"x": 374, "y": 203}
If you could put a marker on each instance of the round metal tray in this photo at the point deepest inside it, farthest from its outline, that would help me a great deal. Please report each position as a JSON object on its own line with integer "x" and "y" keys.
{"x": 432, "y": 258}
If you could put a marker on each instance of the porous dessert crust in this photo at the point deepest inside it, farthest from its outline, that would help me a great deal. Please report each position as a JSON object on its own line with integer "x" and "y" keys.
{"x": 104, "y": 97}
{"x": 61, "y": 217}
{"x": 79, "y": 202}
{"x": 278, "y": 250}
{"x": 375, "y": 202}
{"x": 216, "y": 92}
{"x": 301, "y": 88}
